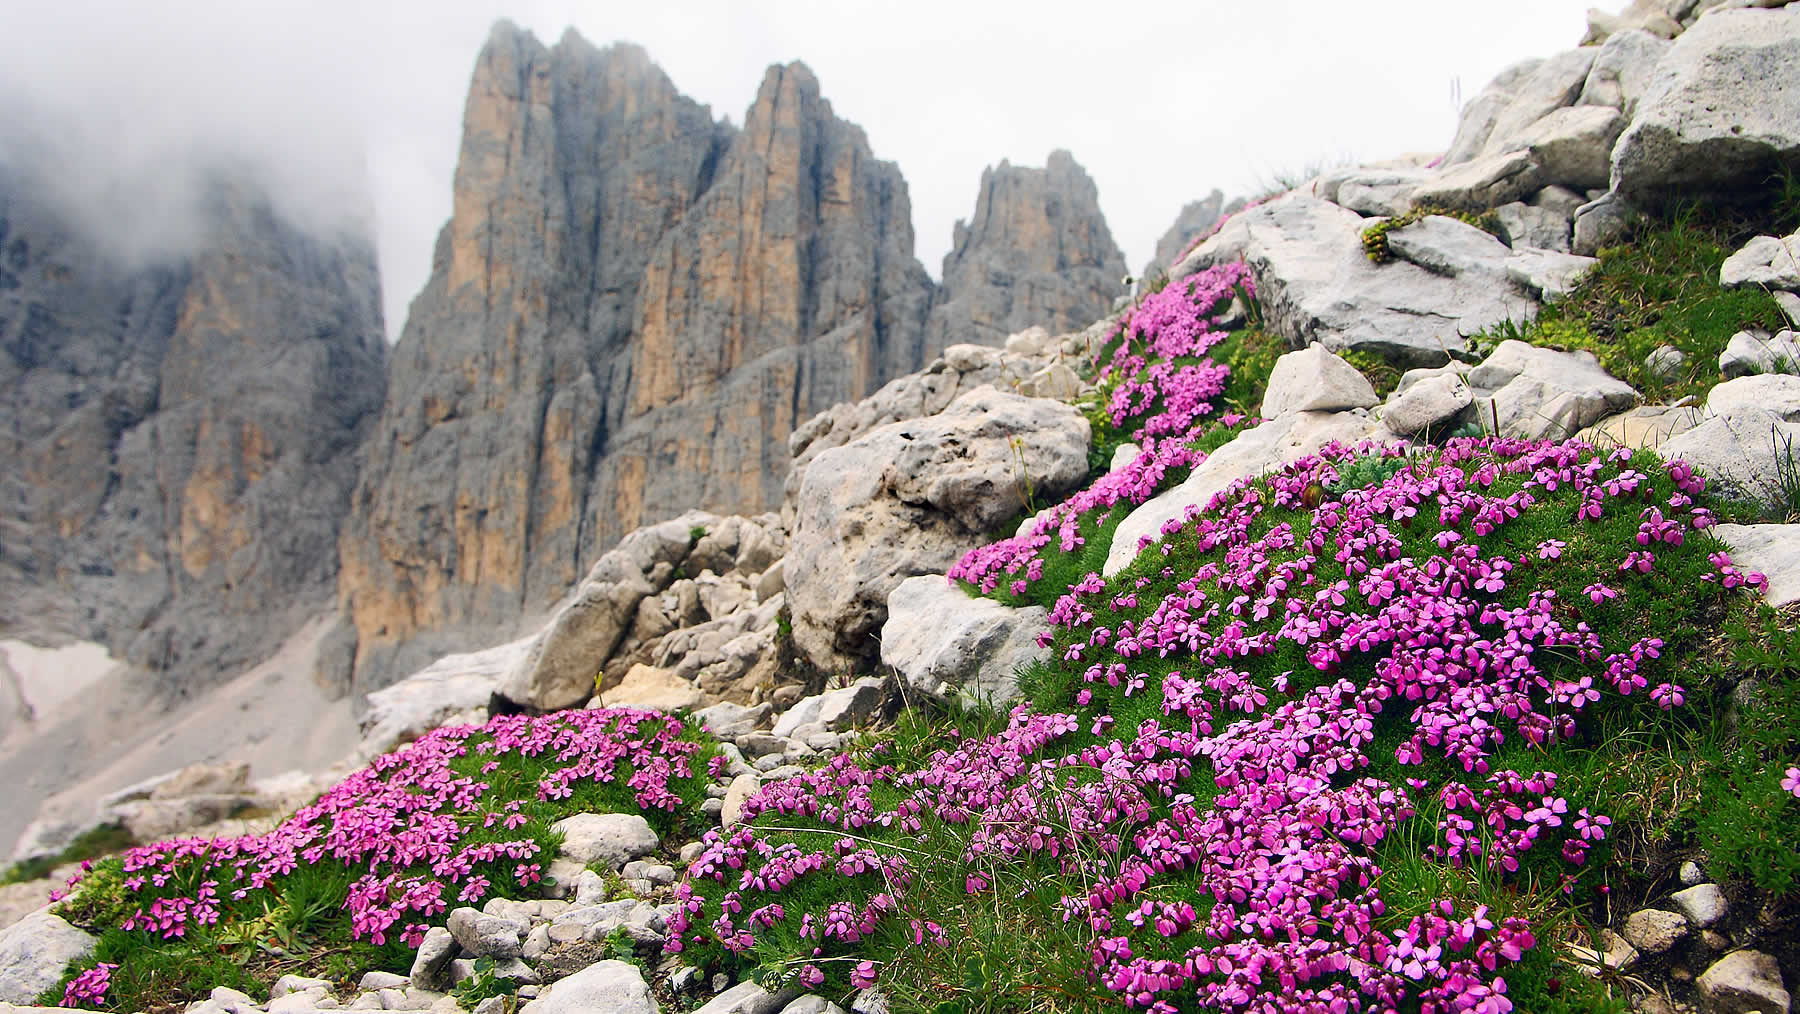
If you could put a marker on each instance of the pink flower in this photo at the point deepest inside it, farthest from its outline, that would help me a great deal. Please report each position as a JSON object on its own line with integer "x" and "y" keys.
{"x": 1791, "y": 781}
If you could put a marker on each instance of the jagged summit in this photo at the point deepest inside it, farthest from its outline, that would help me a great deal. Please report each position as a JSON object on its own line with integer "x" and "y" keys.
{"x": 1036, "y": 252}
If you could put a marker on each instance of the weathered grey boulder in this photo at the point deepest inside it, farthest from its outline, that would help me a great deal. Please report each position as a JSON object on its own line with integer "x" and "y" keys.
{"x": 1476, "y": 122}
{"x": 1738, "y": 452}
{"x": 1654, "y": 931}
{"x": 1773, "y": 550}
{"x": 646, "y": 686}
{"x": 1448, "y": 246}
{"x": 1647, "y": 426}
{"x": 910, "y": 498}
{"x": 431, "y": 965}
{"x": 748, "y": 998}
{"x": 941, "y": 640}
{"x": 1790, "y": 305}
{"x": 1573, "y": 145}
{"x": 486, "y": 936}
{"x": 1528, "y": 225}
{"x": 1665, "y": 362}
{"x": 33, "y": 953}
{"x": 1483, "y": 183}
{"x": 742, "y": 787}
{"x": 1751, "y": 352}
{"x": 1551, "y": 85}
{"x": 1541, "y": 393}
{"x": 836, "y": 710}
{"x": 1272, "y": 444}
{"x": 1743, "y": 982}
{"x": 1622, "y": 70}
{"x": 1316, "y": 284}
{"x": 1315, "y": 380}
{"x": 1721, "y": 110}
{"x": 559, "y": 669}
{"x": 612, "y": 839}
{"x": 1604, "y": 221}
{"x": 1649, "y": 17}
{"x": 1768, "y": 262}
{"x": 1380, "y": 191}
{"x": 605, "y": 987}
{"x": 1772, "y": 392}
{"x": 1432, "y": 405}
{"x": 453, "y": 685}
{"x": 1549, "y": 274}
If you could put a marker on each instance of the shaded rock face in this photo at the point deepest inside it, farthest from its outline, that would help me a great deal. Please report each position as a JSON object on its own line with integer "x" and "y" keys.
{"x": 177, "y": 442}
{"x": 1037, "y": 253}
{"x": 631, "y": 308}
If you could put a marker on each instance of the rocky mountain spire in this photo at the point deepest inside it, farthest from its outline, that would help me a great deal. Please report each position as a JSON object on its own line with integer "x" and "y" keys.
{"x": 177, "y": 441}
{"x": 1037, "y": 252}
{"x": 629, "y": 310}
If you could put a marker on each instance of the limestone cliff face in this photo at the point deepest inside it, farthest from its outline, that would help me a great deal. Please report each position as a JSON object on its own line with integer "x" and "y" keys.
{"x": 177, "y": 442}
{"x": 1037, "y": 252}
{"x": 630, "y": 309}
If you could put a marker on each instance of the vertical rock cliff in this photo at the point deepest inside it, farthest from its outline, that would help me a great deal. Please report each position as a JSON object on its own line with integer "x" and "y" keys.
{"x": 177, "y": 441}
{"x": 1037, "y": 252}
{"x": 629, "y": 310}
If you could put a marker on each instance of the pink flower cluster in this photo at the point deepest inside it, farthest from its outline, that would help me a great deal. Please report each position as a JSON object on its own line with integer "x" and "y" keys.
{"x": 1258, "y": 891}
{"x": 405, "y": 820}
{"x": 89, "y": 987}
{"x": 1167, "y": 402}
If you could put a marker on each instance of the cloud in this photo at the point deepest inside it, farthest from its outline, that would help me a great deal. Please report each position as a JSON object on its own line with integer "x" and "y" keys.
{"x": 350, "y": 111}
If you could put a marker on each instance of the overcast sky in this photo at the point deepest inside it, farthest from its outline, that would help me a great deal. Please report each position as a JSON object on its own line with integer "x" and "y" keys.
{"x": 1160, "y": 102}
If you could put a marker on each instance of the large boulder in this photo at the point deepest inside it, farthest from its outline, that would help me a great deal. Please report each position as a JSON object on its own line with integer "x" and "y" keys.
{"x": 1722, "y": 110}
{"x": 33, "y": 953}
{"x": 1541, "y": 394}
{"x": 1476, "y": 122}
{"x": 1270, "y": 445}
{"x": 1742, "y": 453}
{"x": 1573, "y": 145}
{"x": 941, "y": 640}
{"x": 1551, "y": 85}
{"x": 910, "y": 498}
{"x": 1744, "y": 982}
{"x": 1430, "y": 406}
{"x": 1752, "y": 352}
{"x": 605, "y": 987}
{"x": 1483, "y": 183}
{"x": 1622, "y": 70}
{"x": 1778, "y": 393}
{"x": 1548, "y": 273}
{"x": 1316, "y": 284}
{"x": 1448, "y": 246}
{"x": 611, "y": 839}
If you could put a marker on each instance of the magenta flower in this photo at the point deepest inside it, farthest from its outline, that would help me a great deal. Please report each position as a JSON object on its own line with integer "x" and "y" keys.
{"x": 1791, "y": 781}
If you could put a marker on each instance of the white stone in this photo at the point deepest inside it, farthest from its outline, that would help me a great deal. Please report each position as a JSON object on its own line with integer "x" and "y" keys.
{"x": 1447, "y": 246}
{"x": 1749, "y": 353}
{"x": 1429, "y": 405}
{"x": 1778, "y": 393}
{"x": 1484, "y": 183}
{"x": 941, "y": 640}
{"x": 1270, "y": 445}
{"x": 1738, "y": 453}
{"x": 611, "y": 839}
{"x": 1719, "y": 110}
{"x": 1742, "y": 982}
{"x": 606, "y": 987}
{"x": 1655, "y": 931}
{"x": 748, "y": 998}
{"x": 1538, "y": 393}
{"x": 1772, "y": 550}
{"x": 1529, "y": 225}
{"x": 1573, "y": 145}
{"x": 646, "y": 686}
{"x": 33, "y": 953}
{"x": 1665, "y": 362}
{"x": 1551, "y": 85}
{"x": 1315, "y": 283}
{"x": 1315, "y": 379}
{"x": 1550, "y": 274}
{"x": 742, "y": 788}
{"x": 1622, "y": 70}
{"x": 452, "y": 685}
{"x": 1704, "y": 904}
{"x": 1768, "y": 262}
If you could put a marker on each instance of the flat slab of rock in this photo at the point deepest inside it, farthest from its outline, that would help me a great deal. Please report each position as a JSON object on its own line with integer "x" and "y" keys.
{"x": 1316, "y": 284}
{"x": 606, "y": 987}
{"x": 1769, "y": 262}
{"x": 646, "y": 686}
{"x": 749, "y": 998}
{"x": 1772, "y": 392}
{"x": 1549, "y": 273}
{"x": 1484, "y": 183}
{"x": 1448, "y": 246}
{"x": 33, "y": 953}
{"x": 941, "y": 640}
{"x": 1274, "y": 443}
{"x": 1720, "y": 110}
{"x": 1742, "y": 982}
{"x": 450, "y": 686}
{"x": 1646, "y": 427}
{"x": 610, "y": 838}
